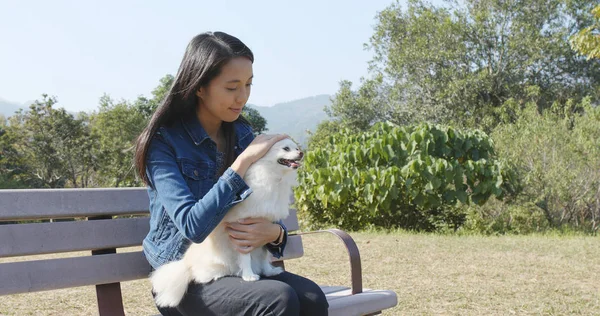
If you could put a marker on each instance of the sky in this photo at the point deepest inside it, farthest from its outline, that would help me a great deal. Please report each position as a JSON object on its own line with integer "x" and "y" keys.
{"x": 79, "y": 50}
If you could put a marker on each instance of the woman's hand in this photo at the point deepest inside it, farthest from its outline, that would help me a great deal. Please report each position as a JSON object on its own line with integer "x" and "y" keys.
{"x": 250, "y": 233}
{"x": 260, "y": 145}
{"x": 257, "y": 148}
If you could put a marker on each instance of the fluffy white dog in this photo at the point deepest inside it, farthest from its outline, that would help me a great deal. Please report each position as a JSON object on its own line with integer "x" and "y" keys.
{"x": 271, "y": 179}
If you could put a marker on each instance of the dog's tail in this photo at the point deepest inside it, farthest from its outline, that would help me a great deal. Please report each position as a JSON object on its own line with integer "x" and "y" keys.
{"x": 170, "y": 282}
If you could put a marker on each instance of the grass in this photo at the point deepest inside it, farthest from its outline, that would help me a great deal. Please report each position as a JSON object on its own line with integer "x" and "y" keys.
{"x": 432, "y": 275}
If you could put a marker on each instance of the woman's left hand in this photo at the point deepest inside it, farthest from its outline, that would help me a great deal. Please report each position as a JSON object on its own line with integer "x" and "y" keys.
{"x": 250, "y": 233}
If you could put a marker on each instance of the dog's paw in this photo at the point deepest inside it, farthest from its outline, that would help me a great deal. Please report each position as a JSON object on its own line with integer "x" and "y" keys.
{"x": 271, "y": 271}
{"x": 250, "y": 277}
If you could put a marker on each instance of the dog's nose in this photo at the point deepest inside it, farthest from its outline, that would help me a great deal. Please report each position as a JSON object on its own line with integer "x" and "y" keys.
{"x": 301, "y": 154}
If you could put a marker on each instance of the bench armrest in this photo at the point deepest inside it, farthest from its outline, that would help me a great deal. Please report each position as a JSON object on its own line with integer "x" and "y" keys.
{"x": 353, "y": 253}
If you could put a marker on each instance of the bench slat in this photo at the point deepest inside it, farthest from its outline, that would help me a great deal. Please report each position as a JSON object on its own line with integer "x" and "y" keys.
{"x": 367, "y": 302}
{"x": 43, "y": 238}
{"x": 293, "y": 249}
{"x": 41, "y": 275}
{"x": 63, "y": 203}
{"x": 33, "y": 204}
{"x": 291, "y": 222}
{"x": 333, "y": 289}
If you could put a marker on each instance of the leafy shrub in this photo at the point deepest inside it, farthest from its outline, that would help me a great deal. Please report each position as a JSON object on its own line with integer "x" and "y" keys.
{"x": 557, "y": 157}
{"x": 497, "y": 217}
{"x": 414, "y": 177}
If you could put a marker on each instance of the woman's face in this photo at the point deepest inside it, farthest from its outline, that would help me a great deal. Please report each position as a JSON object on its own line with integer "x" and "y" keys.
{"x": 226, "y": 95}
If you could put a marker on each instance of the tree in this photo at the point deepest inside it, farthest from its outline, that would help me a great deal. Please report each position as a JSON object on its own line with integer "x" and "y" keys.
{"x": 320, "y": 137}
{"x": 462, "y": 64}
{"x": 75, "y": 146}
{"x": 258, "y": 123}
{"x": 358, "y": 110}
{"x": 6, "y": 174}
{"x": 116, "y": 125}
{"x": 148, "y": 106}
{"x": 558, "y": 158}
{"x": 8, "y": 155}
{"x": 587, "y": 41}
{"x": 50, "y": 147}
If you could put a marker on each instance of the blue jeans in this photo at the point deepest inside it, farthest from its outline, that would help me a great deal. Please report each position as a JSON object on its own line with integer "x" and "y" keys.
{"x": 283, "y": 294}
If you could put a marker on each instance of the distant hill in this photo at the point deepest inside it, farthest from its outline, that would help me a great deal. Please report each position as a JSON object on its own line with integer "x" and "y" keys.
{"x": 295, "y": 117}
{"x": 8, "y": 108}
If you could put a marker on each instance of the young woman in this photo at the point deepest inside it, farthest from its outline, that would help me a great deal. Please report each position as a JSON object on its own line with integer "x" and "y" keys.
{"x": 193, "y": 156}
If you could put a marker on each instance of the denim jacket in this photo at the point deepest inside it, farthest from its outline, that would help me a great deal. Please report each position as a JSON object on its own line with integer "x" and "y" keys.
{"x": 187, "y": 197}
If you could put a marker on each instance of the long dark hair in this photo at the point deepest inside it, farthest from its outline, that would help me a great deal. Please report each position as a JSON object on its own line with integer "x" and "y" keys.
{"x": 203, "y": 59}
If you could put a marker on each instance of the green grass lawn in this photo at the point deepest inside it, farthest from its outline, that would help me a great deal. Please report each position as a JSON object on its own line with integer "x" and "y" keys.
{"x": 432, "y": 275}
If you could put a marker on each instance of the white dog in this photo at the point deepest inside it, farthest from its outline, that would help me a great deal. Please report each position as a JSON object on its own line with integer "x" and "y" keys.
{"x": 271, "y": 179}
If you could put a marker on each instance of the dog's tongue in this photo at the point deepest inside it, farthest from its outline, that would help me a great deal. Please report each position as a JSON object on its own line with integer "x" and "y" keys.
{"x": 294, "y": 164}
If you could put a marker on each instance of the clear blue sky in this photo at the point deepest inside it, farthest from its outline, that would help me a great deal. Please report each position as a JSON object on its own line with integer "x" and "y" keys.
{"x": 78, "y": 50}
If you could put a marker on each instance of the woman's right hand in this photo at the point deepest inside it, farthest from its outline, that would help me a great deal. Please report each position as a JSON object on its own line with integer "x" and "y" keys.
{"x": 257, "y": 148}
{"x": 260, "y": 145}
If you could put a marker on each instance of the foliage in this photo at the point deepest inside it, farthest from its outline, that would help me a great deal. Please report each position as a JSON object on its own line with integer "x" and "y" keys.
{"x": 319, "y": 138}
{"x": 498, "y": 217}
{"x": 116, "y": 126}
{"x": 587, "y": 40}
{"x": 361, "y": 109}
{"x": 459, "y": 65}
{"x": 557, "y": 154}
{"x": 410, "y": 177}
{"x": 48, "y": 147}
{"x": 147, "y": 106}
{"x": 258, "y": 123}
{"x": 7, "y": 179}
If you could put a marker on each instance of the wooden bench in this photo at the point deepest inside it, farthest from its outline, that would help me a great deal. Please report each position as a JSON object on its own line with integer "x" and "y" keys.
{"x": 97, "y": 229}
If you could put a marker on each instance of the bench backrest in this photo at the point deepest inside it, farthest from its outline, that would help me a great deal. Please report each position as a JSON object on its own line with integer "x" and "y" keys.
{"x": 94, "y": 228}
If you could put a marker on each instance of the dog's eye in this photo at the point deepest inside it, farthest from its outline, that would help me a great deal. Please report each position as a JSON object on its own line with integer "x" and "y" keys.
{"x": 286, "y": 148}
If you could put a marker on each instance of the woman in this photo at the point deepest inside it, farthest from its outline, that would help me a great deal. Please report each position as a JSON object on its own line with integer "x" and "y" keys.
{"x": 193, "y": 156}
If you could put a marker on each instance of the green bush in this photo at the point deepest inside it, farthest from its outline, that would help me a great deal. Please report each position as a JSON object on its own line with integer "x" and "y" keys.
{"x": 414, "y": 177}
{"x": 497, "y": 217}
{"x": 557, "y": 156}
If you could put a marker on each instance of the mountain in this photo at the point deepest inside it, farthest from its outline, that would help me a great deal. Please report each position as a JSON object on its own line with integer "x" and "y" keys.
{"x": 295, "y": 117}
{"x": 8, "y": 108}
